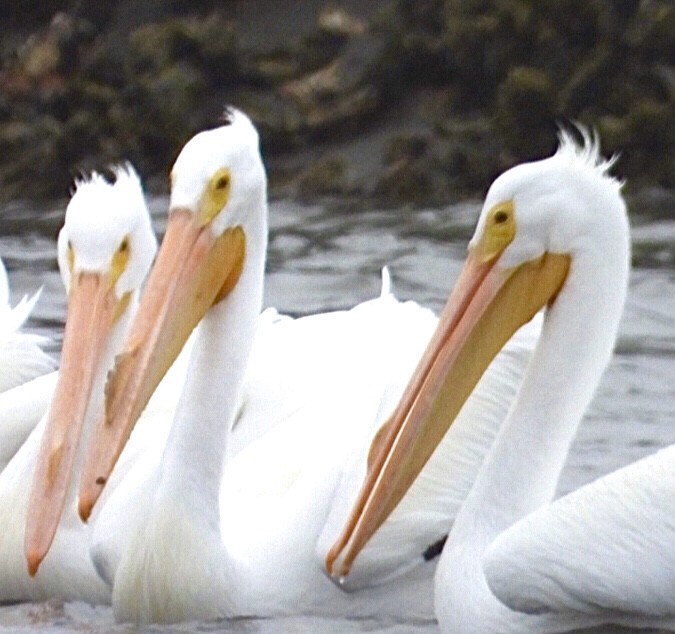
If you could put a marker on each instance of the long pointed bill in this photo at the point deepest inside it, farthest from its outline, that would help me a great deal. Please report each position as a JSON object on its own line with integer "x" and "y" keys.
{"x": 193, "y": 271}
{"x": 487, "y": 305}
{"x": 92, "y": 309}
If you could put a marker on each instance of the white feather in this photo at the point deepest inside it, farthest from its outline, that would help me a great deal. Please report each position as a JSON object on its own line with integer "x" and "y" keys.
{"x": 21, "y": 354}
{"x": 602, "y": 548}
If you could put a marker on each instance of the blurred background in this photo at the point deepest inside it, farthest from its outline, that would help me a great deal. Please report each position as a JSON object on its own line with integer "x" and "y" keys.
{"x": 398, "y": 108}
{"x": 386, "y": 102}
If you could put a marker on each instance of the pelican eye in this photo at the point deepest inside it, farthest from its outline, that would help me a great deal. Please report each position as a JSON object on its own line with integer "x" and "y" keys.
{"x": 70, "y": 254}
{"x": 223, "y": 182}
{"x": 120, "y": 260}
{"x": 500, "y": 229}
{"x": 501, "y": 217}
{"x": 216, "y": 195}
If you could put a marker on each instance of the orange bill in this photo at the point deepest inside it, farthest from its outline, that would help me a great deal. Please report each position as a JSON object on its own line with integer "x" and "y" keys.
{"x": 92, "y": 309}
{"x": 193, "y": 271}
{"x": 488, "y": 304}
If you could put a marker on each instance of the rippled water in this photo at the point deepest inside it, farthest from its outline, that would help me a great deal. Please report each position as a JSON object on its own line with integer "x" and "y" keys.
{"x": 323, "y": 258}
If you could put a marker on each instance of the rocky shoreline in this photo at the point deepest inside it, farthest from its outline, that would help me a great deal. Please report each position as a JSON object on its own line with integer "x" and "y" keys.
{"x": 387, "y": 102}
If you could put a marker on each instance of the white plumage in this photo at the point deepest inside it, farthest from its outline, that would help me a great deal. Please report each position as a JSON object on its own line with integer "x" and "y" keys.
{"x": 24, "y": 390}
{"x": 600, "y": 550}
{"x": 21, "y": 354}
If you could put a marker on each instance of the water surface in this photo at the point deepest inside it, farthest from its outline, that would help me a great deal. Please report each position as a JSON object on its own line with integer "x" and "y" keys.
{"x": 323, "y": 258}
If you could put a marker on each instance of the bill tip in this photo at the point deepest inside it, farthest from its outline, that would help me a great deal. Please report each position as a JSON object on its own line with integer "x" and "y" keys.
{"x": 33, "y": 559}
{"x": 85, "y": 506}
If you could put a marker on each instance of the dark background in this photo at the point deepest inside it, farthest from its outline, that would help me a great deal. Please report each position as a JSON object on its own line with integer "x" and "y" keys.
{"x": 385, "y": 102}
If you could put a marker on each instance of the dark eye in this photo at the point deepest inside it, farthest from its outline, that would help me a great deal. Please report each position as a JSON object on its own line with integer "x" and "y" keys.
{"x": 70, "y": 245}
{"x": 501, "y": 217}
{"x": 222, "y": 182}
{"x": 124, "y": 245}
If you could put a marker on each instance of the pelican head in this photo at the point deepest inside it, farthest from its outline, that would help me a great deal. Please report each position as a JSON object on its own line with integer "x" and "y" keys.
{"x": 219, "y": 177}
{"x": 107, "y": 231}
{"x": 105, "y": 250}
{"x": 217, "y": 223}
{"x": 540, "y": 225}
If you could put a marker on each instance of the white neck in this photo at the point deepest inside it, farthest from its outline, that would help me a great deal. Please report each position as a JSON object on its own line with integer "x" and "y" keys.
{"x": 521, "y": 472}
{"x": 193, "y": 458}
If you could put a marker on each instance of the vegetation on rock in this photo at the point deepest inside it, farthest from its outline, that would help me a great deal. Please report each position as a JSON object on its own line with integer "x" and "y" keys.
{"x": 394, "y": 101}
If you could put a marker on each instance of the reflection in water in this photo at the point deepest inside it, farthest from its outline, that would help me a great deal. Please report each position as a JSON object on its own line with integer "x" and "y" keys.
{"x": 321, "y": 259}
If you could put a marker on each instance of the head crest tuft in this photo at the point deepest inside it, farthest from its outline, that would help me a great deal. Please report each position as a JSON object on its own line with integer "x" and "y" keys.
{"x": 583, "y": 149}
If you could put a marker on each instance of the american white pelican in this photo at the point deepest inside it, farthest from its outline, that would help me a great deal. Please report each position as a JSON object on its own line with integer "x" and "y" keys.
{"x": 191, "y": 546}
{"x": 105, "y": 249}
{"x": 552, "y": 233}
{"x": 21, "y": 354}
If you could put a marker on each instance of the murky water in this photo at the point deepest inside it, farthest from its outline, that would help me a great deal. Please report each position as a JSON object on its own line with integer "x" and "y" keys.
{"x": 321, "y": 259}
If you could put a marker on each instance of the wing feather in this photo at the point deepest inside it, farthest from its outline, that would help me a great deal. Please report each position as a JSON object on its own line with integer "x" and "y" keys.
{"x": 606, "y": 547}
{"x": 21, "y": 354}
{"x": 21, "y": 409}
{"x": 424, "y": 515}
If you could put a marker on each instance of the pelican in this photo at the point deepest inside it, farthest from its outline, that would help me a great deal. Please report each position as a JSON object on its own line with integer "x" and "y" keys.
{"x": 215, "y": 526}
{"x": 21, "y": 354}
{"x": 105, "y": 249}
{"x": 552, "y": 233}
